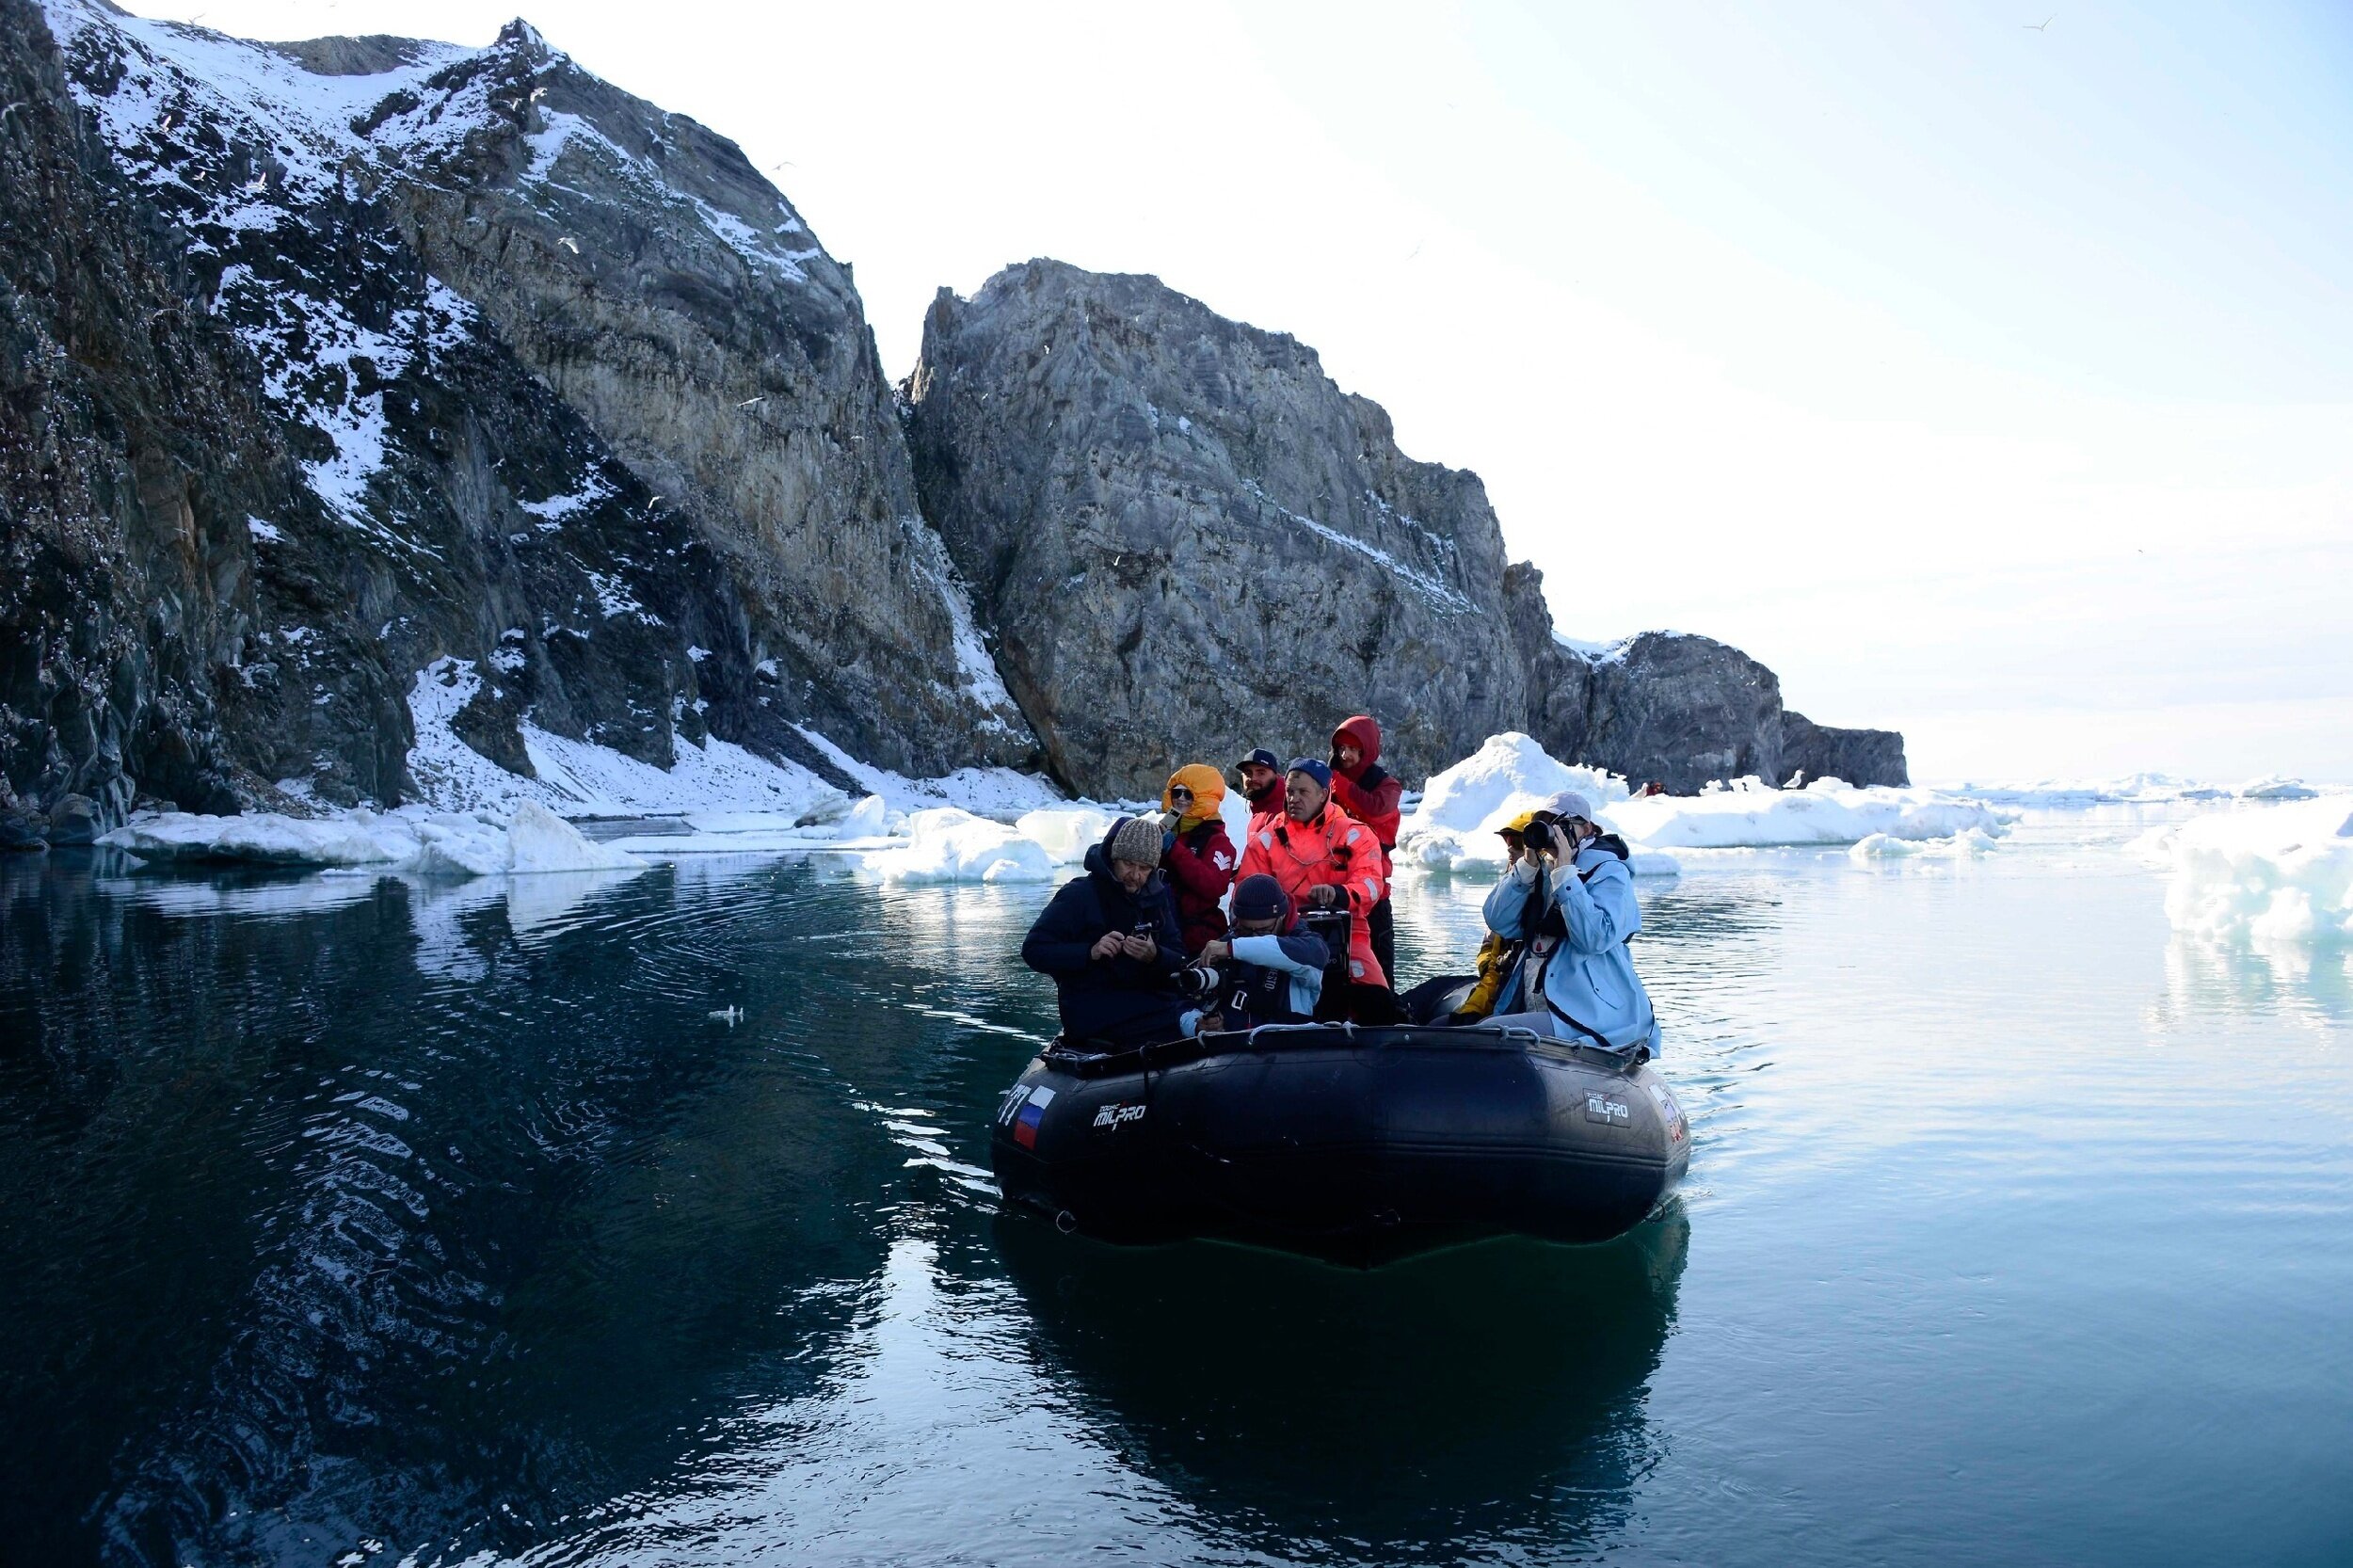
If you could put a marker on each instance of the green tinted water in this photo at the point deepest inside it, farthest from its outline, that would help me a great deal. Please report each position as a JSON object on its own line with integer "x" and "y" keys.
{"x": 348, "y": 1215}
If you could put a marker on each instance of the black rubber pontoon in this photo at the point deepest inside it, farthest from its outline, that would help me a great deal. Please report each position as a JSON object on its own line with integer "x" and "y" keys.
{"x": 1342, "y": 1141}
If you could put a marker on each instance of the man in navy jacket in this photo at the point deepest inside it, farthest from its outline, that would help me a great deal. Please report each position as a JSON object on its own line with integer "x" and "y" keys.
{"x": 1109, "y": 940}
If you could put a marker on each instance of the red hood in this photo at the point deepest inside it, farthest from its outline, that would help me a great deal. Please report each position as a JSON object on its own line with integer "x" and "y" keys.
{"x": 1365, "y": 733}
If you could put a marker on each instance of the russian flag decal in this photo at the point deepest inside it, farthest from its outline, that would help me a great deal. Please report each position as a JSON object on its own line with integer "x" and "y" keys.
{"x": 1025, "y": 1125}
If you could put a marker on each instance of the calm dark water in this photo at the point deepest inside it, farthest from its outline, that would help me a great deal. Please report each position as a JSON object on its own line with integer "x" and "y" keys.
{"x": 443, "y": 1224}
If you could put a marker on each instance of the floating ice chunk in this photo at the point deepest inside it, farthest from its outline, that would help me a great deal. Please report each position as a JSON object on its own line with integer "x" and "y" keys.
{"x": 356, "y": 838}
{"x": 1965, "y": 845}
{"x": 2271, "y": 874}
{"x": 1067, "y": 832}
{"x": 2132, "y": 788}
{"x": 946, "y": 844}
{"x": 539, "y": 840}
{"x": 1507, "y": 775}
{"x": 428, "y": 843}
{"x": 2276, "y": 788}
{"x": 1752, "y": 814}
{"x": 870, "y": 818}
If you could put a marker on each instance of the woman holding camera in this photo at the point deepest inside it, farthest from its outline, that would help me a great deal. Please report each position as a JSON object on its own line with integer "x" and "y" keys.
{"x": 1570, "y": 895}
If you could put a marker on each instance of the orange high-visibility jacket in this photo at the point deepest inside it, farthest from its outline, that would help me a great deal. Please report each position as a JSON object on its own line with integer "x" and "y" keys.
{"x": 1334, "y": 850}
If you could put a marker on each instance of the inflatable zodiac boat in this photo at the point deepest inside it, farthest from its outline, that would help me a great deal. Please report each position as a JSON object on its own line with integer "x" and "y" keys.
{"x": 1341, "y": 1141}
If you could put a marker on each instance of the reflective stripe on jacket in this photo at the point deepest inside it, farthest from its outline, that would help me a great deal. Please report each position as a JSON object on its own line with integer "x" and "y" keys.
{"x": 1334, "y": 850}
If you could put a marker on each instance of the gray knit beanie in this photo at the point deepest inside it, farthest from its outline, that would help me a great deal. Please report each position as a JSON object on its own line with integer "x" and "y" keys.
{"x": 1137, "y": 838}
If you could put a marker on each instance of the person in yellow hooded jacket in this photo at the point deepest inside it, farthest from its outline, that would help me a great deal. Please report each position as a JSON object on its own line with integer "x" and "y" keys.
{"x": 1196, "y": 852}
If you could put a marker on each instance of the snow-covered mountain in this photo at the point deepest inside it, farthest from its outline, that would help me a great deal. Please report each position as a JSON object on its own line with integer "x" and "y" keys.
{"x": 361, "y": 384}
{"x": 569, "y": 395}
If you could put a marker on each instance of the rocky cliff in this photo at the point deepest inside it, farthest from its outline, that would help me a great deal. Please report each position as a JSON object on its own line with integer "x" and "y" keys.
{"x": 361, "y": 385}
{"x": 645, "y": 484}
{"x": 1184, "y": 533}
{"x": 1189, "y": 541}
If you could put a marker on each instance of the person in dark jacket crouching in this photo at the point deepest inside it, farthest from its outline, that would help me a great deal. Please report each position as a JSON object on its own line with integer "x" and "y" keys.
{"x": 1109, "y": 940}
{"x": 1268, "y": 971}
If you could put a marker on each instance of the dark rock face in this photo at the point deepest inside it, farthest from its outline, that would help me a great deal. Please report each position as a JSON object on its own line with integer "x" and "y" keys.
{"x": 263, "y": 467}
{"x": 1686, "y": 710}
{"x": 1190, "y": 542}
{"x": 133, "y": 448}
{"x": 336, "y": 372}
{"x": 671, "y": 295}
{"x": 1857, "y": 756}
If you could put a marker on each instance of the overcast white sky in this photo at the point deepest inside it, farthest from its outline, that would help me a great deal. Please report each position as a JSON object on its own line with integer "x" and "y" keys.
{"x": 1991, "y": 383}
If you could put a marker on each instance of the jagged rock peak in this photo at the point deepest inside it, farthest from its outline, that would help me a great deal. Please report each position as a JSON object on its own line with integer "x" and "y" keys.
{"x": 1186, "y": 535}
{"x": 1183, "y": 532}
{"x": 571, "y": 396}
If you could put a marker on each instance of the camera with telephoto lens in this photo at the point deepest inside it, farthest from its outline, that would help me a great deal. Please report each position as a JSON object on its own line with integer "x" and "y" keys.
{"x": 1199, "y": 982}
{"x": 1540, "y": 826}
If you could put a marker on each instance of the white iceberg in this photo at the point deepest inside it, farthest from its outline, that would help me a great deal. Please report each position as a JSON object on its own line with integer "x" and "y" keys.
{"x": 2136, "y": 789}
{"x": 1965, "y": 845}
{"x": 950, "y": 844}
{"x": 1067, "y": 832}
{"x": 1454, "y": 827}
{"x": 2277, "y": 788}
{"x": 2266, "y": 875}
{"x": 1752, "y": 814}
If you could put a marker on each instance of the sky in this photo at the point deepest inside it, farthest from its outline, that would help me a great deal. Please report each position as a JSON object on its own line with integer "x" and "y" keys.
{"x": 1989, "y": 381}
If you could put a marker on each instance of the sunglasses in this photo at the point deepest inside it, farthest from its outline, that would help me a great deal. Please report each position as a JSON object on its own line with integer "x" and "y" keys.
{"x": 1180, "y": 793}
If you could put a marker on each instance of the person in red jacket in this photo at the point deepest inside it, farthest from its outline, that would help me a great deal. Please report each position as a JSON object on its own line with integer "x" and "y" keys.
{"x": 1367, "y": 791}
{"x": 1196, "y": 853}
{"x": 1324, "y": 859}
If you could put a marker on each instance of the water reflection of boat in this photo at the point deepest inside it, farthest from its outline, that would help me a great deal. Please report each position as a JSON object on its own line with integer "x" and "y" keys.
{"x": 1477, "y": 1400}
{"x": 1352, "y": 1144}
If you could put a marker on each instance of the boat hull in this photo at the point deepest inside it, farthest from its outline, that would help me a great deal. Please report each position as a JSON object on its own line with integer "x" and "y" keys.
{"x": 1344, "y": 1142}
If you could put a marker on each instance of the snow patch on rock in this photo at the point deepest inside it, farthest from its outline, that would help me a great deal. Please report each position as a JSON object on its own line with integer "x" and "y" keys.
{"x": 1001, "y": 793}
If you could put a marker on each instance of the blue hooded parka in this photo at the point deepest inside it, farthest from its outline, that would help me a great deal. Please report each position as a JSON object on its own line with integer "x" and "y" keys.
{"x": 1590, "y": 986}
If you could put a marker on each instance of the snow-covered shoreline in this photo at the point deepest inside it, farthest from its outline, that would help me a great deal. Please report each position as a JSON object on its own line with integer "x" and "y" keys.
{"x": 2258, "y": 862}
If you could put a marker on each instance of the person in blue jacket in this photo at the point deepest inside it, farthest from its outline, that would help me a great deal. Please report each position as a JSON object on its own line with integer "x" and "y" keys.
{"x": 1272, "y": 972}
{"x": 1109, "y": 941}
{"x": 1571, "y": 897}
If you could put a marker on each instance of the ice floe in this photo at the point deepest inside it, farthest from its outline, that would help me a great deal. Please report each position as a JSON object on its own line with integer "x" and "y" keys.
{"x": 2267, "y": 874}
{"x": 1067, "y": 832}
{"x": 529, "y": 840}
{"x": 1965, "y": 845}
{"x": 1751, "y": 814}
{"x": 1453, "y": 829}
{"x": 946, "y": 844}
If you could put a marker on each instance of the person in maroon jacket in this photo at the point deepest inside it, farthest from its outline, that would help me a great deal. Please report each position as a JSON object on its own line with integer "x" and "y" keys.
{"x": 1365, "y": 792}
{"x": 1198, "y": 856}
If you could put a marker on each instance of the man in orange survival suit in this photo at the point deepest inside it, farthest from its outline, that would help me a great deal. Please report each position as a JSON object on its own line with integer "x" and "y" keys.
{"x": 1367, "y": 791}
{"x": 1323, "y": 858}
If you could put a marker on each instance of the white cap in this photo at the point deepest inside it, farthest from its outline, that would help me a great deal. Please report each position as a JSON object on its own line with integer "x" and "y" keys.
{"x": 1568, "y": 803}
